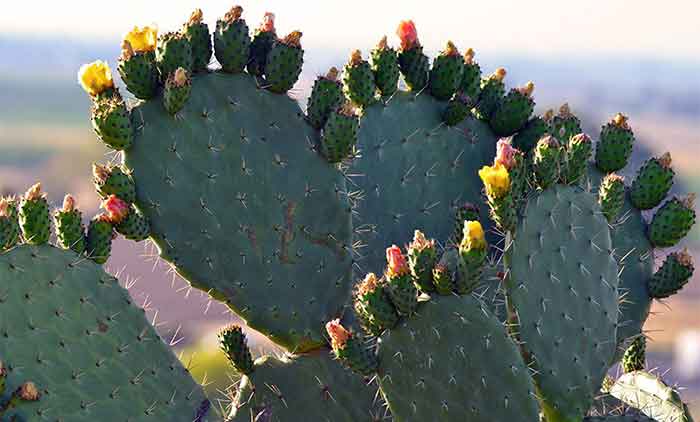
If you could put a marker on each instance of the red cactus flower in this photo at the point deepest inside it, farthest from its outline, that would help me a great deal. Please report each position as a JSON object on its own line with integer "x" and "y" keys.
{"x": 396, "y": 262}
{"x": 268, "y": 23}
{"x": 407, "y": 34}
{"x": 117, "y": 210}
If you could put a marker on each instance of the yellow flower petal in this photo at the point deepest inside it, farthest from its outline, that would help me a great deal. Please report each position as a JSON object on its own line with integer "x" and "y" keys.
{"x": 95, "y": 77}
{"x": 496, "y": 180}
{"x": 142, "y": 39}
{"x": 473, "y": 236}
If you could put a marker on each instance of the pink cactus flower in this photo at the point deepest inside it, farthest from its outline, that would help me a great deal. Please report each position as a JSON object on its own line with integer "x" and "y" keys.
{"x": 338, "y": 334}
{"x": 117, "y": 210}
{"x": 505, "y": 153}
{"x": 268, "y": 23}
{"x": 396, "y": 262}
{"x": 407, "y": 34}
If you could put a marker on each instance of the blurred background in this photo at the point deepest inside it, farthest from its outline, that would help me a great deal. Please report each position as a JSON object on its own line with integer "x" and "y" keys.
{"x": 600, "y": 56}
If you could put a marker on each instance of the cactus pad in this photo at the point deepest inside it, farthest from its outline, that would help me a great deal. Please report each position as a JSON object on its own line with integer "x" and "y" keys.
{"x": 243, "y": 206}
{"x": 651, "y": 396}
{"x": 439, "y": 366}
{"x": 563, "y": 288}
{"x": 72, "y": 329}
{"x": 310, "y": 387}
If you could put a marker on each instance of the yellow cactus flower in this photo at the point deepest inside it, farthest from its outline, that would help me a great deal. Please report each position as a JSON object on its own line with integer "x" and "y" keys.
{"x": 142, "y": 39}
{"x": 496, "y": 180}
{"x": 95, "y": 77}
{"x": 473, "y": 236}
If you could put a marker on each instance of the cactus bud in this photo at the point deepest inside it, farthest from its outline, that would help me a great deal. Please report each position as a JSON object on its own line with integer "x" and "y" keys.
{"x": 268, "y": 23}
{"x": 68, "y": 203}
{"x": 355, "y": 58}
{"x": 469, "y": 56}
{"x": 505, "y": 153}
{"x": 527, "y": 89}
{"x": 293, "y": 39}
{"x": 338, "y": 334}
{"x": 34, "y": 193}
{"x": 28, "y": 392}
{"x": 615, "y": 146}
{"x": 4, "y": 207}
{"x": 407, "y": 34}
{"x": 233, "y": 14}
{"x": 195, "y": 17}
{"x": 611, "y": 196}
{"x": 499, "y": 74}
{"x": 383, "y": 44}
{"x": 402, "y": 291}
{"x": 652, "y": 183}
{"x": 332, "y": 74}
{"x": 673, "y": 275}
{"x": 96, "y": 78}
{"x": 421, "y": 259}
{"x": 372, "y": 305}
{"x": 350, "y": 350}
{"x": 234, "y": 344}
{"x": 359, "y": 80}
{"x": 672, "y": 221}
{"x": 127, "y": 51}
{"x": 117, "y": 210}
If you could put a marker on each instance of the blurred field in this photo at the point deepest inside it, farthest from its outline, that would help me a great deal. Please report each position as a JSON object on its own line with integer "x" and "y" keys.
{"x": 45, "y": 135}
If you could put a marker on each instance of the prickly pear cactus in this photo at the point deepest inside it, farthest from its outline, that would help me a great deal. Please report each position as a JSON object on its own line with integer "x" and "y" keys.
{"x": 72, "y": 331}
{"x": 238, "y": 199}
{"x": 653, "y": 398}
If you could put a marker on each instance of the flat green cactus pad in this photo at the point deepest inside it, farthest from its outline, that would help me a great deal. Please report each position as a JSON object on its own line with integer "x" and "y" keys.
{"x": 244, "y": 207}
{"x": 563, "y": 289}
{"x": 72, "y": 330}
{"x": 651, "y": 396}
{"x": 310, "y": 388}
{"x": 415, "y": 171}
{"x": 453, "y": 361}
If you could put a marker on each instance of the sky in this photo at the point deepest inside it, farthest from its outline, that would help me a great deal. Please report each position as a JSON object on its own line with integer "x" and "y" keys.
{"x": 666, "y": 29}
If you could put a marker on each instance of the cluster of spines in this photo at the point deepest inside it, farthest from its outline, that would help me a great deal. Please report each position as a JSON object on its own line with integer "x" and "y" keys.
{"x": 29, "y": 219}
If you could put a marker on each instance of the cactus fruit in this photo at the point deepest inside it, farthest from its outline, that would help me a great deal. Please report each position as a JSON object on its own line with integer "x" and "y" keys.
{"x": 112, "y": 123}
{"x": 402, "y": 291}
{"x": 547, "y": 161}
{"x": 232, "y": 41}
{"x": 313, "y": 385}
{"x": 261, "y": 45}
{"x": 113, "y": 180}
{"x": 137, "y": 62}
{"x": 513, "y": 111}
{"x": 326, "y": 97}
{"x": 70, "y": 231}
{"x": 34, "y": 216}
{"x": 471, "y": 77}
{"x": 674, "y": 273}
{"x": 492, "y": 92}
{"x": 562, "y": 288}
{"x": 73, "y": 331}
{"x": 197, "y": 33}
{"x": 340, "y": 134}
{"x": 634, "y": 358}
{"x": 284, "y": 63}
{"x": 99, "y": 239}
{"x": 172, "y": 52}
{"x": 611, "y": 196}
{"x": 578, "y": 153}
{"x": 234, "y": 344}
{"x": 359, "y": 80}
{"x": 615, "y": 146}
{"x": 652, "y": 183}
{"x": 9, "y": 223}
{"x": 413, "y": 63}
{"x": 385, "y": 66}
{"x": 177, "y": 90}
{"x": 422, "y": 257}
{"x": 563, "y": 125}
{"x": 351, "y": 350}
{"x": 534, "y": 130}
{"x": 446, "y": 74}
{"x": 472, "y": 251}
{"x": 373, "y": 306}
{"x": 672, "y": 221}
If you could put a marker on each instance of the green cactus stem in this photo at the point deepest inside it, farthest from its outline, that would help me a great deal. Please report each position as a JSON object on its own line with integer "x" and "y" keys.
{"x": 177, "y": 91}
{"x": 611, "y": 196}
{"x": 232, "y": 41}
{"x": 234, "y": 344}
{"x": 652, "y": 183}
{"x": 673, "y": 275}
{"x": 446, "y": 74}
{"x": 326, "y": 97}
{"x": 385, "y": 66}
{"x": 265, "y": 36}
{"x": 358, "y": 80}
{"x": 672, "y": 221}
{"x": 615, "y": 146}
{"x": 69, "y": 226}
{"x": 197, "y": 33}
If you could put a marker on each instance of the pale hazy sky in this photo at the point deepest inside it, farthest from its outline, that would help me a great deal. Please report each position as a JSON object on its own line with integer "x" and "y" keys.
{"x": 669, "y": 28}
